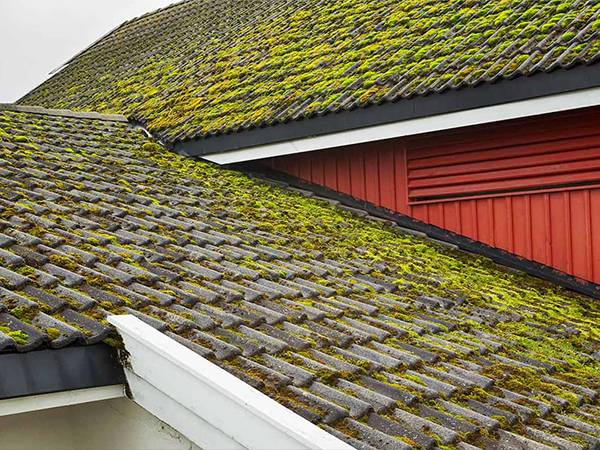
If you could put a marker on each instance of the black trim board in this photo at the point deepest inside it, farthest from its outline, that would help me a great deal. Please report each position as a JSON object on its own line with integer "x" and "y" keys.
{"x": 46, "y": 371}
{"x": 464, "y": 243}
{"x": 486, "y": 94}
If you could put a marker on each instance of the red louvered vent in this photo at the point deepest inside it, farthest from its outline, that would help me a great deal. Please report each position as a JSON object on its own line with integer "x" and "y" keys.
{"x": 545, "y": 155}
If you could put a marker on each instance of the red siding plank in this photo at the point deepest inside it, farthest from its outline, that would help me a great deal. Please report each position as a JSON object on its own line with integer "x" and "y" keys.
{"x": 371, "y": 159}
{"x": 509, "y": 185}
{"x": 343, "y": 172}
{"x": 451, "y": 213}
{"x": 468, "y": 218}
{"x": 357, "y": 174}
{"x": 564, "y": 151}
{"x": 401, "y": 170}
{"x": 330, "y": 171}
{"x": 387, "y": 178}
{"x": 595, "y": 232}
{"x": 501, "y": 222}
{"x": 578, "y": 234}
{"x": 304, "y": 170}
{"x": 560, "y": 232}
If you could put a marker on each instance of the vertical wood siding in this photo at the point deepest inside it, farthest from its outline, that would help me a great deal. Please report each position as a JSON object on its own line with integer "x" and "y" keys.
{"x": 530, "y": 186}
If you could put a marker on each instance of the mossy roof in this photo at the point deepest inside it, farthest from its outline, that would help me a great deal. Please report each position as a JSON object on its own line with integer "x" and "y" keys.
{"x": 385, "y": 339}
{"x": 202, "y": 68}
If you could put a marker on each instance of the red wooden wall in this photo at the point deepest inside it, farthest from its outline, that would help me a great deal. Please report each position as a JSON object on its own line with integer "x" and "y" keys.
{"x": 529, "y": 186}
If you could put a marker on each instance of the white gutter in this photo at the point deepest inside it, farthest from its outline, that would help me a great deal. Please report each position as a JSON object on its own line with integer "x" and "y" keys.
{"x": 209, "y": 406}
{"x": 58, "y": 399}
{"x": 477, "y": 116}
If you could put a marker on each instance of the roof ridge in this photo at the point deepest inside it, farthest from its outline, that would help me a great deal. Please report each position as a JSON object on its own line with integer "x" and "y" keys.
{"x": 62, "y": 112}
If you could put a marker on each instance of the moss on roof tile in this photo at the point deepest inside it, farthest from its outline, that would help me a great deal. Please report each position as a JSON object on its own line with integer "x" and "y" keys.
{"x": 262, "y": 280}
{"x": 207, "y": 67}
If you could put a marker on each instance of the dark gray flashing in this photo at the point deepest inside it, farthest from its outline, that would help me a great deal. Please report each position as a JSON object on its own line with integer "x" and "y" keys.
{"x": 70, "y": 368}
{"x": 62, "y": 112}
{"x": 488, "y": 94}
{"x": 439, "y": 235}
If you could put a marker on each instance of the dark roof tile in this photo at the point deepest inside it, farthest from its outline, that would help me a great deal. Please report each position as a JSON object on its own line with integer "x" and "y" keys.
{"x": 11, "y": 279}
{"x": 569, "y": 432}
{"x": 375, "y": 438}
{"x": 59, "y": 332}
{"x": 46, "y": 299}
{"x": 332, "y": 412}
{"x": 79, "y": 299}
{"x": 24, "y": 336}
{"x": 395, "y": 428}
{"x": 93, "y": 331}
{"x": 512, "y": 440}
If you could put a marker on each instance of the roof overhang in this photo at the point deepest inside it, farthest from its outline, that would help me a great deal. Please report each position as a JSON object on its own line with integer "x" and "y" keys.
{"x": 542, "y": 93}
{"x": 206, "y": 404}
{"x": 41, "y": 402}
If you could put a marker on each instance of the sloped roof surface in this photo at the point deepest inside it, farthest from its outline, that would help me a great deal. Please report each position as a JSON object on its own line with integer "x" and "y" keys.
{"x": 206, "y": 67}
{"x": 385, "y": 339}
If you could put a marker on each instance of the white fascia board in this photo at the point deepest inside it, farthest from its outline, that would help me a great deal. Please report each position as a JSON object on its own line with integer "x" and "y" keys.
{"x": 177, "y": 416}
{"x": 200, "y": 393}
{"x": 477, "y": 116}
{"x": 40, "y": 402}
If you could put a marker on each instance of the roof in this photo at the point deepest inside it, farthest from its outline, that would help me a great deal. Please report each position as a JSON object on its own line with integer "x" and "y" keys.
{"x": 201, "y": 69}
{"x": 383, "y": 338}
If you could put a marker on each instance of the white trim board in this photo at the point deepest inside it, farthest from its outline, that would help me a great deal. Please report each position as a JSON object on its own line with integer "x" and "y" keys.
{"x": 205, "y": 403}
{"x": 31, "y": 403}
{"x": 525, "y": 108}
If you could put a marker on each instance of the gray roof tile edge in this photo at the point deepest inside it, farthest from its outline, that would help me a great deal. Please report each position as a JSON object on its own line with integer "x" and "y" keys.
{"x": 62, "y": 112}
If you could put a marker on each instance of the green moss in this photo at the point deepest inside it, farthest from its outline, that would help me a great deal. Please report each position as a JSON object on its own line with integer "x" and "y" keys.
{"x": 22, "y": 313}
{"x": 323, "y": 57}
{"x": 53, "y": 333}
{"x": 63, "y": 261}
{"x": 469, "y": 277}
{"x": 20, "y": 337}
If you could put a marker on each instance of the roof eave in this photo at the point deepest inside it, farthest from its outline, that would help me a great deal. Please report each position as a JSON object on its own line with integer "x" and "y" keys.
{"x": 202, "y": 401}
{"x": 431, "y": 106}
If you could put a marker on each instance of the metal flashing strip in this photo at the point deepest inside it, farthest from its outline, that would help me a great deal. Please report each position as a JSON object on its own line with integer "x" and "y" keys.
{"x": 62, "y": 112}
{"x": 32, "y": 403}
{"x": 205, "y": 403}
{"x": 452, "y": 120}
{"x": 56, "y": 370}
